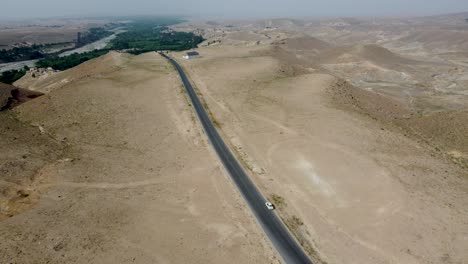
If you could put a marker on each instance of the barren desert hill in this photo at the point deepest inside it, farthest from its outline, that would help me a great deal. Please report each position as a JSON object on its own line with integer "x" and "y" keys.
{"x": 373, "y": 53}
{"x": 440, "y": 40}
{"x": 412, "y": 35}
{"x": 380, "y": 55}
{"x": 358, "y": 63}
{"x": 329, "y": 167}
{"x": 49, "y": 81}
{"x": 417, "y": 61}
{"x": 397, "y": 96}
{"x": 111, "y": 167}
{"x": 326, "y": 53}
{"x": 25, "y": 154}
{"x": 280, "y": 23}
{"x": 444, "y": 130}
{"x": 306, "y": 43}
{"x": 245, "y": 36}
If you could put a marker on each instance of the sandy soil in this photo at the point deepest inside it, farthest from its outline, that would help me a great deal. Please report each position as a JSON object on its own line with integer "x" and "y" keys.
{"x": 353, "y": 190}
{"x": 112, "y": 167}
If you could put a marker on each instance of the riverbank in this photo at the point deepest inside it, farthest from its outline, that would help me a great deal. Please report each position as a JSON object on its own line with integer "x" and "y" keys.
{"x": 99, "y": 44}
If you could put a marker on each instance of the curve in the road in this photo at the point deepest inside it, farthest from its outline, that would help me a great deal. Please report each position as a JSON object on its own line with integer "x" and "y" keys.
{"x": 283, "y": 241}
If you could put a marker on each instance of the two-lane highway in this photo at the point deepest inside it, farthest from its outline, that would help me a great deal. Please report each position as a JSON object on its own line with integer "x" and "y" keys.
{"x": 283, "y": 241}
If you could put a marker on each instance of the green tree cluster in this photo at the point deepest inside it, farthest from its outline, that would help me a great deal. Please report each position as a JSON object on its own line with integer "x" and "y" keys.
{"x": 144, "y": 34}
{"x": 94, "y": 34}
{"x": 20, "y": 54}
{"x": 67, "y": 62}
{"x": 12, "y": 76}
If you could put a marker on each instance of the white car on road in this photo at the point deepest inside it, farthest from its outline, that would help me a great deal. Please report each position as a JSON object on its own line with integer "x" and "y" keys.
{"x": 270, "y": 206}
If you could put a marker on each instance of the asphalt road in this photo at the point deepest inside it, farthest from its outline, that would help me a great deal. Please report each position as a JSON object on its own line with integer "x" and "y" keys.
{"x": 283, "y": 241}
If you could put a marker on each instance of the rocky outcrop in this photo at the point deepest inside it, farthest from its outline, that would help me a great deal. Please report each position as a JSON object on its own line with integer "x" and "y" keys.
{"x": 11, "y": 96}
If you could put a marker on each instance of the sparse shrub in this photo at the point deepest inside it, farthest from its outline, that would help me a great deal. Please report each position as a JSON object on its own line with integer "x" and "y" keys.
{"x": 278, "y": 200}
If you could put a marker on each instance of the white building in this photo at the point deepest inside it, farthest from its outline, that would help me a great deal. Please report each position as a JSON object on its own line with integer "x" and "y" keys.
{"x": 191, "y": 55}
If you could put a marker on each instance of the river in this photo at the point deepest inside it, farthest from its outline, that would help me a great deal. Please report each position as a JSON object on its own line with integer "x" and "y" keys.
{"x": 100, "y": 44}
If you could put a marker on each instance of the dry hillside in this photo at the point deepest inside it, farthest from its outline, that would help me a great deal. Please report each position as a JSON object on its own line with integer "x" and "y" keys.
{"x": 110, "y": 166}
{"x": 351, "y": 189}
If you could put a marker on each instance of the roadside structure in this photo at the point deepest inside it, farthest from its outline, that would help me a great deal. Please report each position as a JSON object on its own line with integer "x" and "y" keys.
{"x": 191, "y": 55}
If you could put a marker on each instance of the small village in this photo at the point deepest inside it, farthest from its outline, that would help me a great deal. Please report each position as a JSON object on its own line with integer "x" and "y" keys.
{"x": 35, "y": 72}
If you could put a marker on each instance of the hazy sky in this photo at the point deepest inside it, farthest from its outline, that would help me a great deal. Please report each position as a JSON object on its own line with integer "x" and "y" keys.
{"x": 245, "y": 8}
